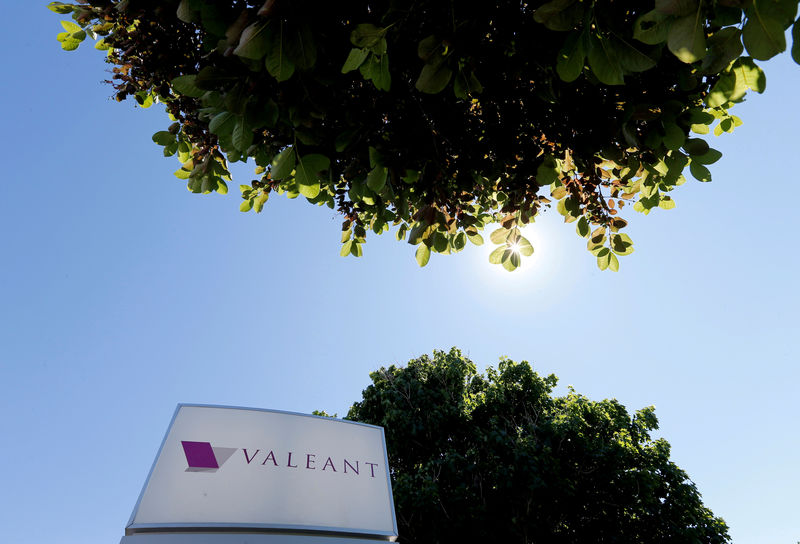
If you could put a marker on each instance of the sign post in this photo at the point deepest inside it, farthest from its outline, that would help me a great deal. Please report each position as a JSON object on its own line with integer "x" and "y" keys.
{"x": 227, "y": 475}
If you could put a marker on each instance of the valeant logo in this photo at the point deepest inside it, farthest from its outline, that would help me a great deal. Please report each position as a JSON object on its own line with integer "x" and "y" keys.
{"x": 203, "y": 457}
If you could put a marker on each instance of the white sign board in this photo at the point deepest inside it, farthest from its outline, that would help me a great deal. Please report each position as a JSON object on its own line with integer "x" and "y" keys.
{"x": 240, "y": 468}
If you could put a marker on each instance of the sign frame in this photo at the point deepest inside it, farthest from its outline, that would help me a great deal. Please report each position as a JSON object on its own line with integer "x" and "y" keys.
{"x": 132, "y": 528}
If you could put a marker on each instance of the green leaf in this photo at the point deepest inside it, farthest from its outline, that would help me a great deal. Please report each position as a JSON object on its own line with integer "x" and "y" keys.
{"x": 170, "y": 149}
{"x": 277, "y": 61}
{"x": 184, "y": 152}
{"x": 709, "y": 157}
{"x": 376, "y": 179}
{"x": 258, "y": 202}
{"x": 440, "y": 242}
{"x": 144, "y": 99}
{"x": 420, "y": 232}
{"x": 687, "y": 39}
{"x": 552, "y": 15}
{"x": 460, "y": 241}
{"x": 796, "y": 41}
{"x": 411, "y": 176}
{"x": 242, "y": 135}
{"x": 307, "y": 173}
{"x": 185, "y": 85}
{"x": 547, "y": 172}
{"x": 71, "y": 27}
{"x": 254, "y": 42}
{"x": 466, "y": 84}
{"x": 428, "y": 47}
{"x": 598, "y": 236}
{"x": 666, "y": 203}
{"x": 355, "y": 59}
{"x": 582, "y": 228}
{"x": 749, "y": 75}
{"x": 423, "y": 254}
{"x": 524, "y": 246}
{"x": 194, "y": 184}
{"x": 433, "y": 78}
{"x": 499, "y": 236}
{"x": 604, "y": 258}
{"x": 512, "y": 261}
{"x": 674, "y": 136}
{"x": 302, "y": 48}
{"x": 783, "y": 11}
{"x": 763, "y": 33}
{"x": 571, "y": 58}
{"x": 347, "y": 247}
{"x": 700, "y": 172}
{"x": 68, "y": 42}
{"x": 676, "y": 7}
{"x": 613, "y": 263}
{"x": 371, "y": 68}
{"x": 366, "y": 35}
{"x": 344, "y": 139}
{"x": 375, "y": 158}
{"x": 187, "y": 12}
{"x": 163, "y": 137}
{"x": 696, "y": 146}
{"x": 246, "y": 205}
{"x": 631, "y": 59}
{"x": 182, "y": 173}
{"x": 652, "y": 28}
{"x": 603, "y": 61}
{"x": 724, "y": 46}
{"x": 208, "y": 184}
{"x": 212, "y": 78}
{"x": 727, "y": 88}
{"x": 380, "y": 48}
{"x": 475, "y": 238}
{"x": 222, "y": 124}
{"x": 283, "y": 164}
{"x": 621, "y": 244}
{"x": 60, "y": 8}
{"x": 496, "y": 256}
{"x": 381, "y": 77}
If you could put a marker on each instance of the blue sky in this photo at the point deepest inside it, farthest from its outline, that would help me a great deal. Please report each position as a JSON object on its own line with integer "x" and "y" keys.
{"x": 123, "y": 294}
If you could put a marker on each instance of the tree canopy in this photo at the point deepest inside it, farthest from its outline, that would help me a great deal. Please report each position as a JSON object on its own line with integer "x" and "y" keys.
{"x": 441, "y": 118}
{"x": 497, "y": 458}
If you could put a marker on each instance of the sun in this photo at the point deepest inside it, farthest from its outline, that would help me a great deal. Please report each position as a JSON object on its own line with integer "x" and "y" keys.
{"x": 528, "y": 265}
{"x": 536, "y": 271}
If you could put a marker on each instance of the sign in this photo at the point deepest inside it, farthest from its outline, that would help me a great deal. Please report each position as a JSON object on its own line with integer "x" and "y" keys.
{"x": 249, "y": 469}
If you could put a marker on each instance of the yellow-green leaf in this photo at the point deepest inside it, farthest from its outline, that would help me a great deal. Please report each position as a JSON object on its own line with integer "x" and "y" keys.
{"x": 423, "y": 254}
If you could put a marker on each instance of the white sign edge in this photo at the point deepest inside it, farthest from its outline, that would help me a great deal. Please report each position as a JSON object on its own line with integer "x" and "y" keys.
{"x": 130, "y": 526}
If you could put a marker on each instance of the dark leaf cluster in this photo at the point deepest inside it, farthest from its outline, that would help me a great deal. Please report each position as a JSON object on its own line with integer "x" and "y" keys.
{"x": 441, "y": 118}
{"x": 499, "y": 458}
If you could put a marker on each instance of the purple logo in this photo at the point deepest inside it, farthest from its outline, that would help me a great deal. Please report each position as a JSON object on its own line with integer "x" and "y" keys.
{"x": 202, "y": 457}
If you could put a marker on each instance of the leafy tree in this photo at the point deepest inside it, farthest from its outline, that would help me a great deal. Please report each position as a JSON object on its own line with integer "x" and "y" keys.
{"x": 440, "y": 118}
{"x": 497, "y": 458}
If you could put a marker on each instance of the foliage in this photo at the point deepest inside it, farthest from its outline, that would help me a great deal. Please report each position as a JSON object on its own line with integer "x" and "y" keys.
{"x": 440, "y": 118}
{"x": 496, "y": 458}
